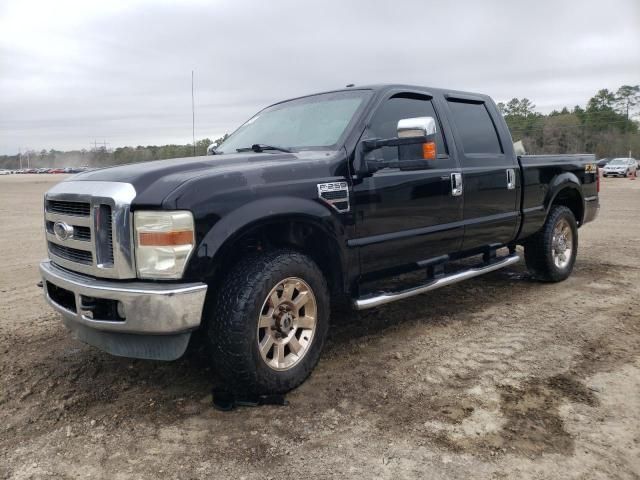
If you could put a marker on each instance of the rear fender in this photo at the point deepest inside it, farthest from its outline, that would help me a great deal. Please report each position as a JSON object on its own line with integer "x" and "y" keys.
{"x": 560, "y": 183}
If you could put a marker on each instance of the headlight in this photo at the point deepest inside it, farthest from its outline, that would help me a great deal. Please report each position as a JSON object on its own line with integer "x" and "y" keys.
{"x": 164, "y": 241}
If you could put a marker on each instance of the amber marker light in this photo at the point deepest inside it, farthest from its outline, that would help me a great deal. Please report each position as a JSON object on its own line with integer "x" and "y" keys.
{"x": 165, "y": 239}
{"x": 429, "y": 151}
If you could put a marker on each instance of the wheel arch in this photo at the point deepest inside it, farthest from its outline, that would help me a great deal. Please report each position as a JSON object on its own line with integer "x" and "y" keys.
{"x": 565, "y": 189}
{"x": 304, "y": 225}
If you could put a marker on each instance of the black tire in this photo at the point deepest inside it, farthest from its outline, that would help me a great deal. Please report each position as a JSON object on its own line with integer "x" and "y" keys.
{"x": 232, "y": 313}
{"x": 538, "y": 250}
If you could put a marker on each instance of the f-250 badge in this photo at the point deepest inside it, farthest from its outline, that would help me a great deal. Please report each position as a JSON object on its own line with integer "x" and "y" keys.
{"x": 335, "y": 194}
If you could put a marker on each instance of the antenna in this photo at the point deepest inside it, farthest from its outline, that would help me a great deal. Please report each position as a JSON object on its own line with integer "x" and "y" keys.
{"x": 193, "y": 117}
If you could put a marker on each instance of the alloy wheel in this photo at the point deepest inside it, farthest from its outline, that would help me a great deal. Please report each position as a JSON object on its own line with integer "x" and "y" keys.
{"x": 287, "y": 323}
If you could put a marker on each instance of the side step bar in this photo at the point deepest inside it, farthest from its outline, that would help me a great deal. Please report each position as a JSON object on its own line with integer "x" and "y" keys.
{"x": 387, "y": 297}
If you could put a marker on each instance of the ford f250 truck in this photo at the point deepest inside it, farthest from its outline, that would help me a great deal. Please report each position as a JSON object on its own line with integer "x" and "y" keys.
{"x": 312, "y": 202}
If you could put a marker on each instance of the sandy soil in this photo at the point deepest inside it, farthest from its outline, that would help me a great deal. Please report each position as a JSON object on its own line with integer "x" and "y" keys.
{"x": 496, "y": 378}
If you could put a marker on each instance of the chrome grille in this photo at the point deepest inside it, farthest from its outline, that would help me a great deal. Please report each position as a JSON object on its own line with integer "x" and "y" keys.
{"x": 73, "y": 254}
{"x": 88, "y": 227}
{"x": 79, "y": 209}
{"x": 82, "y": 233}
{"x": 79, "y": 232}
{"x": 104, "y": 247}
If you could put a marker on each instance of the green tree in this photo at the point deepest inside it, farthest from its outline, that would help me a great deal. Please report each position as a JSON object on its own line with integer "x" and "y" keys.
{"x": 604, "y": 100}
{"x": 626, "y": 98}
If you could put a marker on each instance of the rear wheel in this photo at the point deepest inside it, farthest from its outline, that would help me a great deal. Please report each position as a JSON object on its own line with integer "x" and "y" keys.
{"x": 551, "y": 253}
{"x": 268, "y": 322}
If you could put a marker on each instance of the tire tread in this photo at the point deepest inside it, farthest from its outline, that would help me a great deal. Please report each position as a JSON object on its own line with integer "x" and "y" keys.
{"x": 537, "y": 251}
{"x": 228, "y": 328}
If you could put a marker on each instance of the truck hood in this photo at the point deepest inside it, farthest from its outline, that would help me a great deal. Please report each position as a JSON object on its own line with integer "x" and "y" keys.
{"x": 155, "y": 180}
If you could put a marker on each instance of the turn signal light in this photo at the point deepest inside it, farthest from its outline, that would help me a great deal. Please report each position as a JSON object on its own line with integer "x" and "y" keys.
{"x": 165, "y": 239}
{"x": 429, "y": 151}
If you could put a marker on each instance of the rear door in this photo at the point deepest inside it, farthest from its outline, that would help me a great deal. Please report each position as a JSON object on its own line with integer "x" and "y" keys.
{"x": 489, "y": 173}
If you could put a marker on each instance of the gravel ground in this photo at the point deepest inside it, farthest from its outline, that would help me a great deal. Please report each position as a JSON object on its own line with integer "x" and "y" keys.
{"x": 498, "y": 377}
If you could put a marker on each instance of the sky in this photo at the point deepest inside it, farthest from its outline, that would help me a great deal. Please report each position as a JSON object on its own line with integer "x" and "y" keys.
{"x": 75, "y": 72}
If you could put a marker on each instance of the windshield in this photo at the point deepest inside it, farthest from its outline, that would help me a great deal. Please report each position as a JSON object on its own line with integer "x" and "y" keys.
{"x": 315, "y": 122}
{"x": 619, "y": 161}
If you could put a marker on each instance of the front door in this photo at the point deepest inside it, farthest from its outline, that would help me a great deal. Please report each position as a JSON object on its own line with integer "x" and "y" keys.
{"x": 405, "y": 216}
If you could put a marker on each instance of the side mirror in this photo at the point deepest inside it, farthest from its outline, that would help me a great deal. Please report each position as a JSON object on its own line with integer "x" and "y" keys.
{"x": 211, "y": 149}
{"x": 416, "y": 127}
{"x": 415, "y": 142}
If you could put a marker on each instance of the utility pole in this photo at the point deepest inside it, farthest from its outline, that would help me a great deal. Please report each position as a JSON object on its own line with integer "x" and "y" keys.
{"x": 104, "y": 144}
{"x": 626, "y": 130}
{"x": 193, "y": 117}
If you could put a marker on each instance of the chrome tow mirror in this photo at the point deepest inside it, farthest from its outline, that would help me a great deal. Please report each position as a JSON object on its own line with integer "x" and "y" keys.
{"x": 416, "y": 127}
{"x": 415, "y": 141}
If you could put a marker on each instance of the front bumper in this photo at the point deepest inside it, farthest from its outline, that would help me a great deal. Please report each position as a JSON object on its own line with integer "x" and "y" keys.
{"x": 158, "y": 317}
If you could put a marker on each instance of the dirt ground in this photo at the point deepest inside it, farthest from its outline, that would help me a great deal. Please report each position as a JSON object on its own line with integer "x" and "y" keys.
{"x": 496, "y": 378}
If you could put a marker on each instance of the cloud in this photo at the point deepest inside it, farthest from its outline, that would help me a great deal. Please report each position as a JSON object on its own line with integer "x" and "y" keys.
{"x": 75, "y": 71}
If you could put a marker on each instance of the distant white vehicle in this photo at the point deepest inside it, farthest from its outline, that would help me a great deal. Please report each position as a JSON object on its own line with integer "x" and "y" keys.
{"x": 5, "y": 172}
{"x": 620, "y": 167}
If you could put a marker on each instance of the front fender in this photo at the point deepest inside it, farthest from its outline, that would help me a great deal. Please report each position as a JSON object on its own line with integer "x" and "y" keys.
{"x": 258, "y": 212}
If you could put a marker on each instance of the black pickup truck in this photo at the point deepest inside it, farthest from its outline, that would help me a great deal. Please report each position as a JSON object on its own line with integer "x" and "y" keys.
{"x": 313, "y": 202}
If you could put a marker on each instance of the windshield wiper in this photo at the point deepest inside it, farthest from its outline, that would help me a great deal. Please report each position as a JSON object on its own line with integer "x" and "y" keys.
{"x": 261, "y": 147}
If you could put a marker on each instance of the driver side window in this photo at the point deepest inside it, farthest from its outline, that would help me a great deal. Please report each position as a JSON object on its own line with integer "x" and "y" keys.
{"x": 384, "y": 123}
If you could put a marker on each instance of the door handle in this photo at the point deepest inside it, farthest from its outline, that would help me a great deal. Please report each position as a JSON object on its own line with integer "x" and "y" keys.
{"x": 456, "y": 184}
{"x": 511, "y": 179}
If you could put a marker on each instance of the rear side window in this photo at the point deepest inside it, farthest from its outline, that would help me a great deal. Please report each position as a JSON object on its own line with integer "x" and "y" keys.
{"x": 475, "y": 127}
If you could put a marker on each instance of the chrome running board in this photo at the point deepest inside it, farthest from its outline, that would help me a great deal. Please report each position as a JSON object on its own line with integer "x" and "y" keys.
{"x": 376, "y": 300}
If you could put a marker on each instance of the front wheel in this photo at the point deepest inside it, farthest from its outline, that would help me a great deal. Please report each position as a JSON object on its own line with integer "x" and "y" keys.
{"x": 267, "y": 324}
{"x": 550, "y": 254}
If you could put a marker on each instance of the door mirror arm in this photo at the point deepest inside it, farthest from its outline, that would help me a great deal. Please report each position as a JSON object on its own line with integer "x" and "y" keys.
{"x": 411, "y": 131}
{"x": 369, "y": 167}
{"x": 375, "y": 143}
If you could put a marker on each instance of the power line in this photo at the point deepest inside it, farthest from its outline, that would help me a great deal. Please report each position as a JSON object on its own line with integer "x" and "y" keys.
{"x": 102, "y": 144}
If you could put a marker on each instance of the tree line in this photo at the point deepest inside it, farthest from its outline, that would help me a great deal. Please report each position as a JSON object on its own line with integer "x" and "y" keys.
{"x": 605, "y": 127}
{"x": 101, "y": 156}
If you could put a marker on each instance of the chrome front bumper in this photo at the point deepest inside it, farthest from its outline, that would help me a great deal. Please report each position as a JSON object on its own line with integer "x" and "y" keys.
{"x": 158, "y": 317}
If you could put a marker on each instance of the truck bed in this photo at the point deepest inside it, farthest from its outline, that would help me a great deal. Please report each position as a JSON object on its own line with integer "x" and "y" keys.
{"x": 543, "y": 175}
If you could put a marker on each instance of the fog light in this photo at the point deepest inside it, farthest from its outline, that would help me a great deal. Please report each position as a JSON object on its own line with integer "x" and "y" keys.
{"x": 120, "y": 309}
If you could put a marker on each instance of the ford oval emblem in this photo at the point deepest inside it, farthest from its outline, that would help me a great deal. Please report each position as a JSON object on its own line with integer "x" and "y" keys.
{"x": 62, "y": 231}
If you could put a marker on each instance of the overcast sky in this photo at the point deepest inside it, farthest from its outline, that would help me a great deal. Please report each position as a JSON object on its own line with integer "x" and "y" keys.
{"x": 72, "y": 72}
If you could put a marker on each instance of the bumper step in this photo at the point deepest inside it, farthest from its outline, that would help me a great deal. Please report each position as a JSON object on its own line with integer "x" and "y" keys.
{"x": 375, "y": 300}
